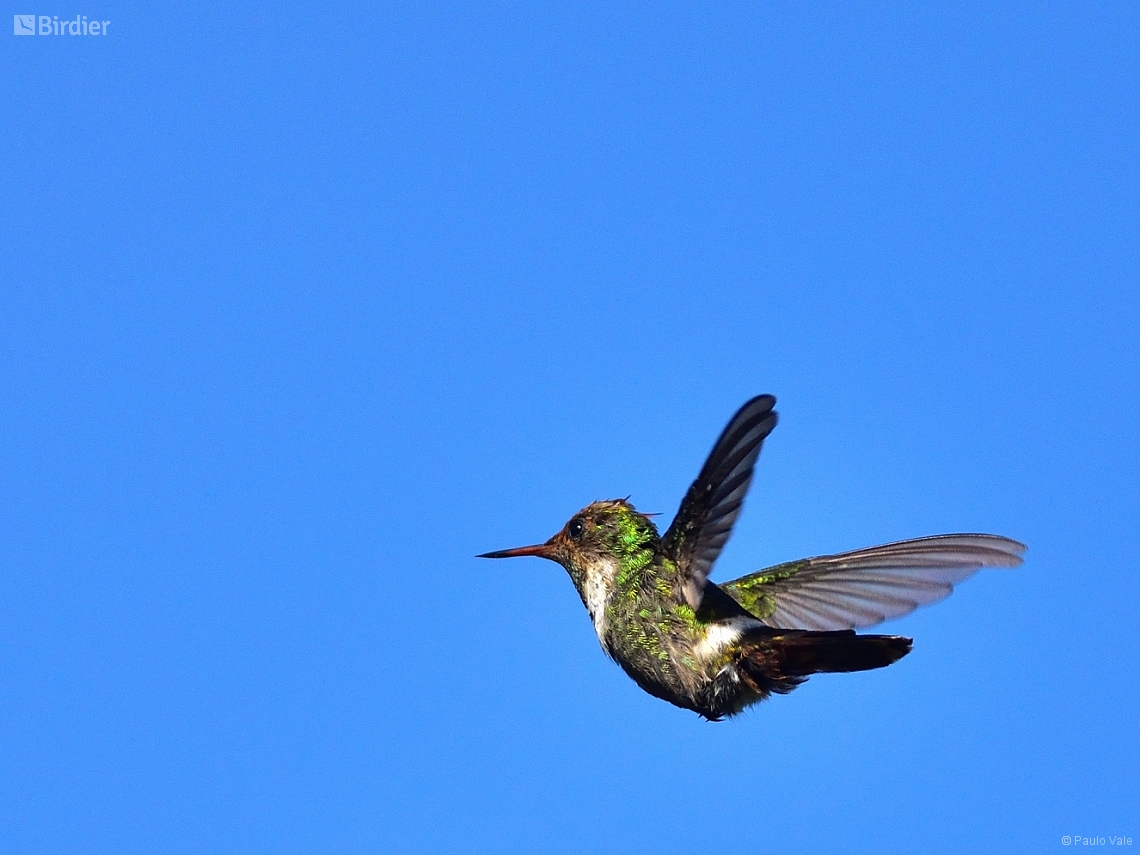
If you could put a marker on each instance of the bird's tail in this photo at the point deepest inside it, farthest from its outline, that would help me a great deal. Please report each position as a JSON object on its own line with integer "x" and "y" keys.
{"x": 778, "y": 660}
{"x": 799, "y": 654}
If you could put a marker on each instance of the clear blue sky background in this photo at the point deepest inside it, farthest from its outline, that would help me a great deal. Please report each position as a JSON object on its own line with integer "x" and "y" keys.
{"x": 302, "y": 307}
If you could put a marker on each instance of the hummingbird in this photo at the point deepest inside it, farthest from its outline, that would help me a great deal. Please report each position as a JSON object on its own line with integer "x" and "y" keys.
{"x": 717, "y": 649}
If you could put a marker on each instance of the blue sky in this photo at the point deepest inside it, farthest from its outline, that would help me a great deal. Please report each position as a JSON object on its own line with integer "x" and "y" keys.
{"x": 302, "y": 309}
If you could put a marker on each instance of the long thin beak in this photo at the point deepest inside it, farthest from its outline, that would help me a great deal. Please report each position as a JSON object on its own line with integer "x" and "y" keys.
{"x": 542, "y": 550}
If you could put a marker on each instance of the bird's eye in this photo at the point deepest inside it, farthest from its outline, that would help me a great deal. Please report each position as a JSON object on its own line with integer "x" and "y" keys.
{"x": 575, "y": 529}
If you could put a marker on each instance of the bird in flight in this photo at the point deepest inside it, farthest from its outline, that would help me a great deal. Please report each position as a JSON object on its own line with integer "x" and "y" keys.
{"x": 717, "y": 649}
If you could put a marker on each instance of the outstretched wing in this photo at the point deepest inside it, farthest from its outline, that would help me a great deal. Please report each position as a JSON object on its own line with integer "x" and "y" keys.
{"x": 710, "y": 508}
{"x": 858, "y": 589}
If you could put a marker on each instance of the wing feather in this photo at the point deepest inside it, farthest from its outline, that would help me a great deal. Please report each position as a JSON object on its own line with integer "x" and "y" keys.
{"x": 710, "y": 507}
{"x": 854, "y": 590}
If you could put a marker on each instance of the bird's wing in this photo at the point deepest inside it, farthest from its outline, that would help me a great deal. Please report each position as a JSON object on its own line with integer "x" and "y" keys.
{"x": 710, "y": 508}
{"x": 858, "y": 589}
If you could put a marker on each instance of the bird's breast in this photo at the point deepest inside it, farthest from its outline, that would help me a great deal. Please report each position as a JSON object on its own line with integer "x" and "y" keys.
{"x": 597, "y": 586}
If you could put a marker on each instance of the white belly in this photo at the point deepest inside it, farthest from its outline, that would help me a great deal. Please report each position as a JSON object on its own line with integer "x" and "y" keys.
{"x": 720, "y": 635}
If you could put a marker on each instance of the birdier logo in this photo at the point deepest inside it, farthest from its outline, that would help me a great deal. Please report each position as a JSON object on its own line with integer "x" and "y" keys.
{"x": 51, "y": 25}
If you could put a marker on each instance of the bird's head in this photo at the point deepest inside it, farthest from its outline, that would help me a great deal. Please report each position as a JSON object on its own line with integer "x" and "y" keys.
{"x": 597, "y": 543}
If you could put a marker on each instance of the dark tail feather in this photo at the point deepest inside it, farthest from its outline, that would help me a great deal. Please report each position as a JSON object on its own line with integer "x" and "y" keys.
{"x": 829, "y": 652}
